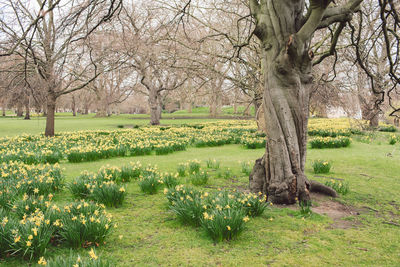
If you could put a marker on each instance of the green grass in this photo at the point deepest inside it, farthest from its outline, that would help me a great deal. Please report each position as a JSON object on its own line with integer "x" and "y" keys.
{"x": 152, "y": 236}
{"x": 11, "y": 126}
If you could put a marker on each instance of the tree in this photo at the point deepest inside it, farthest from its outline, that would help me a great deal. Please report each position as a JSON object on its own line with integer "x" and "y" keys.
{"x": 51, "y": 36}
{"x": 286, "y": 32}
{"x": 152, "y": 58}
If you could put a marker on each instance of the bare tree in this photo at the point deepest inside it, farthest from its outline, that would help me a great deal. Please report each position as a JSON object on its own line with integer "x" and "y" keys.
{"x": 53, "y": 43}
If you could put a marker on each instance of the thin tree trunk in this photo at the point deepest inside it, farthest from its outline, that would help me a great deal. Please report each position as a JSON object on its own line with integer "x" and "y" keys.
{"x": 44, "y": 110}
{"x": 213, "y": 105}
{"x": 51, "y": 110}
{"x": 189, "y": 107}
{"x": 4, "y": 110}
{"x": 155, "y": 110}
{"x": 27, "y": 110}
{"x": 374, "y": 121}
{"x": 20, "y": 111}
{"x": 73, "y": 106}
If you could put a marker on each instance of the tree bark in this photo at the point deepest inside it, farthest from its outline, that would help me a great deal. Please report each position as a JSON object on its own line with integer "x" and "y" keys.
{"x": 27, "y": 110}
{"x": 214, "y": 104}
{"x": 4, "y": 110}
{"x": 73, "y": 106}
{"x": 374, "y": 121}
{"x": 286, "y": 68}
{"x": 155, "y": 108}
{"x": 51, "y": 110}
{"x": 285, "y": 106}
{"x": 20, "y": 111}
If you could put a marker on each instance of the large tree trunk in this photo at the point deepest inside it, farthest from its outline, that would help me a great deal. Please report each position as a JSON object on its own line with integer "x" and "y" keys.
{"x": 285, "y": 106}
{"x": 286, "y": 67}
{"x": 51, "y": 110}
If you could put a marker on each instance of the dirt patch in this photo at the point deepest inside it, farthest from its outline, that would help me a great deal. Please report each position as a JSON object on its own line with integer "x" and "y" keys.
{"x": 324, "y": 205}
{"x": 334, "y": 210}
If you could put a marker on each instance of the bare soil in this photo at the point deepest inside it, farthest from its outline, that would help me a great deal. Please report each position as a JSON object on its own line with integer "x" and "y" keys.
{"x": 334, "y": 210}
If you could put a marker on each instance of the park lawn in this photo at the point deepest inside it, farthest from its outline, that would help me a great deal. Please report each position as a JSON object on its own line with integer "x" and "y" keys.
{"x": 152, "y": 236}
{"x": 12, "y": 125}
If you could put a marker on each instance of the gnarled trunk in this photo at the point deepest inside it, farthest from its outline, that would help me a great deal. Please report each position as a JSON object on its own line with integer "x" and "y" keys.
{"x": 285, "y": 104}
{"x": 51, "y": 110}
{"x": 286, "y": 68}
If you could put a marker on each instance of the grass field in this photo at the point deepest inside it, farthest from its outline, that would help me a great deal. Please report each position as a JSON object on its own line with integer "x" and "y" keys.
{"x": 149, "y": 235}
{"x": 11, "y": 125}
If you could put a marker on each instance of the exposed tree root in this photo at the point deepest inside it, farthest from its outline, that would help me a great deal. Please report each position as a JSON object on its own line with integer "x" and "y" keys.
{"x": 317, "y": 187}
{"x": 258, "y": 183}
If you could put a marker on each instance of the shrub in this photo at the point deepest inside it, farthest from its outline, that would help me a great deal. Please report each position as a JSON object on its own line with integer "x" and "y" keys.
{"x": 341, "y": 187}
{"x": 227, "y": 173}
{"x": 246, "y": 168}
{"x": 224, "y": 223}
{"x": 7, "y": 196}
{"x": 108, "y": 193}
{"x": 330, "y": 142}
{"x": 388, "y": 128}
{"x": 81, "y": 187}
{"x": 29, "y": 204}
{"x": 194, "y": 166}
{"x": 32, "y": 236}
{"x": 84, "y": 223}
{"x": 199, "y": 178}
{"x": 181, "y": 169}
{"x": 305, "y": 208}
{"x": 253, "y": 142}
{"x": 392, "y": 140}
{"x": 169, "y": 180}
{"x": 186, "y": 203}
{"x": 133, "y": 170}
{"x": 7, "y": 224}
{"x": 75, "y": 157}
{"x": 321, "y": 166}
{"x": 109, "y": 173}
{"x": 72, "y": 260}
{"x": 222, "y": 214}
{"x": 213, "y": 164}
{"x": 254, "y": 205}
{"x": 150, "y": 184}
